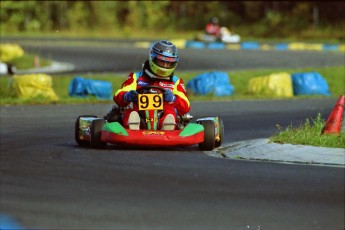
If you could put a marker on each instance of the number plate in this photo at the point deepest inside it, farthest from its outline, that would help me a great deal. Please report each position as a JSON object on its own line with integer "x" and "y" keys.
{"x": 150, "y": 101}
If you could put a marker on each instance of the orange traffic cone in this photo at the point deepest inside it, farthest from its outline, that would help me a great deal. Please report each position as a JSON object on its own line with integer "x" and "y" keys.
{"x": 334, "y": 121}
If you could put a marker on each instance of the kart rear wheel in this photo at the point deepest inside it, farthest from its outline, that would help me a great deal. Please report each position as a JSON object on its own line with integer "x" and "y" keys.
{"x": 221, "y": 133}
{"x": 96, "y": 134}
{"x": 77, "y": 132}
{"x": 209, "y": 135}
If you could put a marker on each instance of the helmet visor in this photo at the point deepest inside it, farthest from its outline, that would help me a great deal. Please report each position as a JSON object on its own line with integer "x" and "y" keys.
{"x": 165, "y": 63}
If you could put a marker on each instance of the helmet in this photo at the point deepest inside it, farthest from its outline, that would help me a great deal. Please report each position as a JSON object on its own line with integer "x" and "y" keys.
{"x": 214, "y": 20}
{"x": 163, "y": 58}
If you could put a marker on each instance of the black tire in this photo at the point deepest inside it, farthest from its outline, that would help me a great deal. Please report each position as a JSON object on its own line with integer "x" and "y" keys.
{"x": 221, "y": 133}
{"x": 77, "y": 134}
{"x": 209, "y": 136}
{"x": 96, "y": 134}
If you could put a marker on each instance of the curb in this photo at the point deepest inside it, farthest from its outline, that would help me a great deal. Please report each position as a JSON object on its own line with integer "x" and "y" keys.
{"x": 264, "y": 150}
{"x": 55, "y": 67}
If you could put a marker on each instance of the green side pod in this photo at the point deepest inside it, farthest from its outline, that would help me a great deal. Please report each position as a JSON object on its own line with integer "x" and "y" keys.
{"x": 191, "y": 129}
{"x": 115, "y": 127}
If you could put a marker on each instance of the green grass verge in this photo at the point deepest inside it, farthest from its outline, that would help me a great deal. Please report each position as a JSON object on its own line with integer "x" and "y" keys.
{"x": 27, "y": 62}
{"x": 309, "y": 133}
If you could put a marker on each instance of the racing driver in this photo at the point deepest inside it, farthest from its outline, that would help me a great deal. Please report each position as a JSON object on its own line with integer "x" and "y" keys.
{"x": 158, "y": 70}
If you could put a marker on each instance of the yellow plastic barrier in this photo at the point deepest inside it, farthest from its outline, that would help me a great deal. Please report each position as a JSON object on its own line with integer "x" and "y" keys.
{"x": 342, "y": 48}
{"x": 276, "y": 84}
{"x": 179, "y": 43}
{"x": 142, "y": 44}
{"x": 233, "y": 46}
{"x": 9, "y": 51}
{"x": 33, "y": 85}
{"x": 305, "y": 46}
{"x": 267, "y": 47}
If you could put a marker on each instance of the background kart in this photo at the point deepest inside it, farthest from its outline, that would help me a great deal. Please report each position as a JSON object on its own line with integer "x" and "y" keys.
{"x": 97, "y": 132}
{"x": 225, "y": 36}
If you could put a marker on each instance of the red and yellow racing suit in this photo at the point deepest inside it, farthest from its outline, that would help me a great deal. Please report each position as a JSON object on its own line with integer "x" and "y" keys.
{"x": 136, "y": 80}
{"x": 213, "y": 30}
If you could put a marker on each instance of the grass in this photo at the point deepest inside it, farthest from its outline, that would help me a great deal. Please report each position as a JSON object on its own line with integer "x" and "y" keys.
{"x": 27, "y": 62}
{"x": 309, "y": 133}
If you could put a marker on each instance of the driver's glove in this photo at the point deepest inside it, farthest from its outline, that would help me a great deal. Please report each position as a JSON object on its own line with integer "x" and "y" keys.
{"x": 169, "y": 96}
{"x": 131, "y": 96}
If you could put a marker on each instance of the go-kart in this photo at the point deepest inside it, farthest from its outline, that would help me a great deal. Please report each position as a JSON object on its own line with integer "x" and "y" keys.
{"x": 225, "y": 36}
{"x": 96, "y": 132}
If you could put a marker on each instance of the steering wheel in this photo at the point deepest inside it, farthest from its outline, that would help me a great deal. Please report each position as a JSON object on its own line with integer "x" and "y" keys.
{"x": 146, "y": 89}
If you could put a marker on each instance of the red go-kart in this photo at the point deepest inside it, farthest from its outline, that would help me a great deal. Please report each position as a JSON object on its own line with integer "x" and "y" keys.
{"x": 206, "y": 132}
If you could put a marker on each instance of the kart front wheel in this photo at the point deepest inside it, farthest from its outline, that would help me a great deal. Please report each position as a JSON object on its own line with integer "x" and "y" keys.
{"x": 209, "y": 136}
{"x": 79, "y": 141}
{"x": 96, "y": 134}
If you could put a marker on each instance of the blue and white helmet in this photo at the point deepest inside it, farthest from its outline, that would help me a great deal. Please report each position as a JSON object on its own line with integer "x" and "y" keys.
{"x": 163, "y": 58}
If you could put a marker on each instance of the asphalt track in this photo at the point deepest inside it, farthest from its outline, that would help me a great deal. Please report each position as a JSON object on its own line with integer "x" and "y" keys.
{"x": 48, "y": 182}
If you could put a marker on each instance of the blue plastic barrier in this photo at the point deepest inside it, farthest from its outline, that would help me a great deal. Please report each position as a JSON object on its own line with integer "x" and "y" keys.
{"x": 309, "y": 83}
{"x": 83, "y": 87}
{"x": 195, "y": 44}
{"x": 216, "y": 45}
{"x": 250, "y": 45}
{"x": 330, "y": 47}
{"x": 282, "y": 46}
{"x": 8, "y": 222}
{"x": 217, "y": 83}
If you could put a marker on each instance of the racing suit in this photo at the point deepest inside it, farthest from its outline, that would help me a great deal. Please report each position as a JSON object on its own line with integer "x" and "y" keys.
{"x": 136, "y": 80}
{"x": 213, "y": 29}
